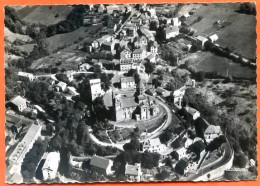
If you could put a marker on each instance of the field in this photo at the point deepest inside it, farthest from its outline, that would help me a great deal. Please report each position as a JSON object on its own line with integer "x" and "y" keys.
{"x": 63, "y": 40}
{"x": 208, "y": 62}
{"x": 44, "y": 14}
{"x": 239, "y": 29}
{"x": 11, "y": 37}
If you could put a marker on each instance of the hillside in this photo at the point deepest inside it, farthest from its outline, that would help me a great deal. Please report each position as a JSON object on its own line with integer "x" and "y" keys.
{"x": 44, "y": 14}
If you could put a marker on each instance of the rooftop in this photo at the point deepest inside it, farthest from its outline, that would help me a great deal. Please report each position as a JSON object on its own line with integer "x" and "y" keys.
{"x": 100, "y": 162}
{"x": 127, "y": 79}
{"x": 132, "y": 169}
{"x": 213, "y": 129}
{"x": 52, "y": 161}
{"x": 127, "y": 102}
{"x": 171, "y": 29}
{"x": 18, "y": 100}
{"x": 138, "y": 51}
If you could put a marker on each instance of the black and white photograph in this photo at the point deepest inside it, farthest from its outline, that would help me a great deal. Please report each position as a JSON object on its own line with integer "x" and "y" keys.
{"x": 130, "y": 92}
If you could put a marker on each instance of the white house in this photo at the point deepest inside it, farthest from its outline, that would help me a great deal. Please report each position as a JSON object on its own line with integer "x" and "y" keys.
{"x": 138, "y": 54}
{"x": 154, "y": 47}
{"x": 179, "y": 153}
{"x": 26, "y": 76}
{"x": 176, "y": 22}
{"x": 61, "y": 86}
{"x": 50, "y": 166}
{"x": 84, "y": 67}
{"x": 72, "y": 91}
{"x": 95, "y": 87}
{"x": 133, "y": 173}
{"x": 213, "y": 38}
{"x": 201, "y": 42}
{"x": 101, "y": 165}
{"x": 153, "y": 145}
{"x": 19, "y": 102}
{"x": 127, "y": 82}
{"x": 193, "y": 112}
{"x": 178, "y": 96}
{"x": 212, "y": 132}
{"x": 171, "y": 32}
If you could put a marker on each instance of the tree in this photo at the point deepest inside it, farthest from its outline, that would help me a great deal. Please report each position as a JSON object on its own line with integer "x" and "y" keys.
{"x": 240, "y": 160}
{"x": 216, "y": 143}
{"x": 176, "y": 143}
{"x": 166, "y": 136}
{"x": 163, "y": 175}
{"x": 149, "y": 67}
{"x": 150, "y": 160}
{"x": 156, "y": 83}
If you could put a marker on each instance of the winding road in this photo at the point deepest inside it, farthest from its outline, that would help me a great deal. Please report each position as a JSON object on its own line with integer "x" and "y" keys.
{"x": 151, "y": 135}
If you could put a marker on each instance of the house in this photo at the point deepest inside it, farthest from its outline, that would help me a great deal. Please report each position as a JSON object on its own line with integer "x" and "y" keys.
{"x": 126, "y": 53}
{"x": 154, "y": 47}
{"x": 84, "y": 67}
{"x": 213, "y": 38}
{"x": 50, "y": 166}
{"x": 147, "y": 33}
{"x": 130, "y": 30}
{"x": 127, "y": 82}
{"x": 26, "y": 76}
{"x": 191, "y": 83}
{"x": 24, "y": 146}
{"x": 151, "y": 58}
{"x": 138, "y": 54}
{"x": 178, "y": 96}
{"x": 188, "y": 142}
{"x": 201, "y": 42}
{"x": 212, "y": 132}
{"x": 19, "y": 103}
{"x": 101, "y": 8}
{"x": 125, "y": 66}
{"x": 161, "y": 91}
{"x": 61, "y": 86}
{"x": 179, "y": 153}
{"x": 72, "y": 91}
{"x": 101, "y": 165}
{"x": 185, "y": 17}
{"x": 153, "y": 145}
{"x": 108, "y": 46}
{"x": 136, "y": 21}
{"x": 95, "y": 88}
{"x": 151, "y": 92}
{"x": 176, "y": 22}
{"x": 193, "y": 112}
{"x": 139, "y": 67}
{"x": 133, "y": 173}
{"x": 100, "y": 41}
{"x": 171, "y": 32}
{"x": 112, "y": 8}
{"x": 141, "y": 42}
{"x": 182, "y": 166}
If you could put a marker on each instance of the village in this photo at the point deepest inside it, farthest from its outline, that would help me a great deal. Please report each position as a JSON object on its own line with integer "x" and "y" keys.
{"x": 120, "y": 111}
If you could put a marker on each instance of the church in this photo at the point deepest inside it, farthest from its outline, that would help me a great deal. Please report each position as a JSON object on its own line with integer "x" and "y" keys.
{"x": 134, "y": 105}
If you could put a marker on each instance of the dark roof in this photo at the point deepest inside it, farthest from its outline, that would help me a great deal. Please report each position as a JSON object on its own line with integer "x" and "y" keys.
{"x": 128, "y": 102}
{"x": 99, "y": 162}
{"x": 127, "y": 79}
{"x": 197, "y": 147}
{"x": 181, "y": 165}
{"x": 138, "y": 51}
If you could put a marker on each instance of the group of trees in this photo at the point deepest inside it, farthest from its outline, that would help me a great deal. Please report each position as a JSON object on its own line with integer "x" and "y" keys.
{"x": 32, "y": 159}
{"x": 73, "y": 22}
{"x": 247, "y": 8}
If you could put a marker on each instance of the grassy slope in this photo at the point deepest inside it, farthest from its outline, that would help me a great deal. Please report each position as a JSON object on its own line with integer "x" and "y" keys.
{"x": 11, "y": 37}
{"x": 208, "y": 62}
{"x": 240, "y": 34}
{"x": 44, "y": 14}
